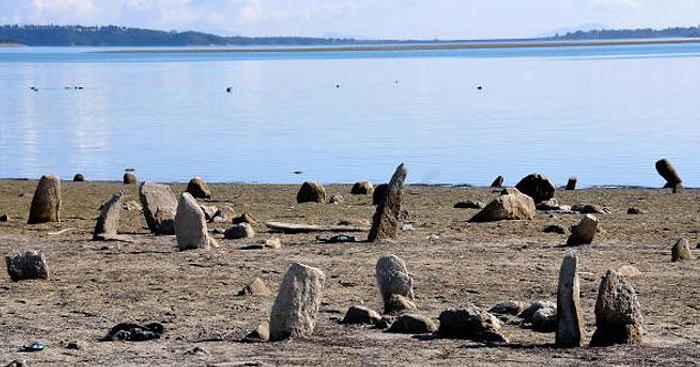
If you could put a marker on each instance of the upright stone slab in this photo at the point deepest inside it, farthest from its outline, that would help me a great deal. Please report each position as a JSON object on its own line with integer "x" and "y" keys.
{"x": 569, "y": 318}
{"x": 190, "y": 224}
{"x": 159, "y": 207}
{"x": 571, "y": 184}
{"x": 198, "y": 188}
{"x": 108, "y": 221}
{"x": 385, "y": 223}
{"x": 584, "y": 231}
{"x": 393, "y": 279}
{"x": 681, "y": 251}
{"x": 668, "y": 172}
{"x": 311, "y": 192}
{"x": 497, "y": 182}
{"x": 617, "y": 312}
{"x": 295, "y": 308}
{"x": 29, "y": 265}
{"x": 536, "y": 186}
{"x": 46, "y": 203}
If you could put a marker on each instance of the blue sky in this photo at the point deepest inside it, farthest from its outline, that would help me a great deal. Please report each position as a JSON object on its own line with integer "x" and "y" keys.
{"x": 397, "y": 19}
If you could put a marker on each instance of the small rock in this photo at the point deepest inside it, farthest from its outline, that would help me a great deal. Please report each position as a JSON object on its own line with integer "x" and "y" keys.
{"x": 256, "y": 288}
{"x": 260, "y": 334}
{"x": 311, "y": 192}
{"x": 198, "y": 188}
{"x": 197, "y": 351}
{"x": 385, "y": 322}
{"x": 361, "y": 315}
{"x": 544, "y": 320}
{"x": 529, "y": 312}
{"x": 209, "y": 212}
{"x": 74, "y": 345}
{"x": 554, "y": 228}
{"x": 470, "y": 322}
{"x": 497, "y": 182}
{"x": 668, "y": 172}
{"x": 634, "y": 211}
{"x": 398, "y": 304}
{"x": 4, "y": 218}
{"x": 536, "y": 186}
{"x": 507, "y": 308}
{"x": 681, "y": 251}
{"x": 509, "y": 205}
{"x": 18, "y": 363}
{"x": 469, "y": 204}
{"x": 241, "y": 230}
{"x": 341, "y": 238}
{"x": 159, "y": 207}
{"x": 224, "y": 214}
{"x": 78, "y": 177}
{"x": 629, "y": 271}
{"x": 393, "y": 279}
{"x": 412, "y": 324}
{"x": 584, "y": 231}
{"x": 336, "y": 199}
{"x": 571, "y": 184}
{"x": 362, "y": 188}
{"x": 133, "y": 332}
{"x": 273, "y": 243}
{"x": 246, "y": 217}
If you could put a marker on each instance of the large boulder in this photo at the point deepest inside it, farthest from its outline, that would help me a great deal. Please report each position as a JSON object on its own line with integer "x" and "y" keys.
{"x": 511, "y": 204}
{"x": 666, "y": 170}
{"x": 385, "y": 223}
{"x": 311, "y": 192}
{"x": 362, "y": 188}
{"x": 295, "y": 308}
{"x": 159, "y": 207}
{"x": 190, "y": 224}
{"x": 393, "y": 279}
{"x": 470, "y": 322}
{"x": 681, "y": 251}
{"x": 29, "y": 265}
{"x": 617, "y": 312}
{"x": 569, "y": 318}
{"x": 108, "y": 221}
{"x": 536, "y": 186}
{"x": 584, "y": 231}
{"x": 46, "y": 203}
{"x": 198, "y": 188}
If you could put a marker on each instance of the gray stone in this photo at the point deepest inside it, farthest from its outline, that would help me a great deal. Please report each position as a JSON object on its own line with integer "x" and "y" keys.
{"x": 379, "y": 194}
{"x": 511, "y": 204}
{"x": 108, "y": 221}
{"x": 361, "y": 315}
{"x": 362, "y": 188}
{"x": 29, "y": 265}
{"x": 246, "y": 217}
{"x": 544, "y": 320}
{"x": 223, "y": 214}
{"x": 295, "y": 308}
{"x": 571, "y": 184}
{"x": 385, "y": 223}
{"x": 260, "y": 334}
{"x": 569, "y": 320}
{"x": 584, "y": 231}
{"x": 666, "y": 170}
{"x": 129, "y": 178}
{"x": 311, "y": 192}
{"x": 497, "y": 182}
{"x": 536, "y": 186}
{"x": 159, "y": 207}
{"x": 398, "y": 304}
{"x": 529, "y": 312}
{"x": 209, "y": 212}
{"x": 393, "y": 279}
{"x": 617, "y": 312}
{"x": 336, "y": 199}
{"x": 46, "y": 203}
{"x": 470, "y": 322}
{"x": 190, "y": 224}
{"x": 256, "y": 288}
{"x": 681, "y": 251}
{"x": 198, "y": 188}
{"x": 240, "y": 230}
{"x": 507, "y": 308}
{"x": 412, "y": 324}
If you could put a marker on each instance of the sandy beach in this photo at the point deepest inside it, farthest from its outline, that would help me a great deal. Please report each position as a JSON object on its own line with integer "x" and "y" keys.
{"x": 96, "y": 285}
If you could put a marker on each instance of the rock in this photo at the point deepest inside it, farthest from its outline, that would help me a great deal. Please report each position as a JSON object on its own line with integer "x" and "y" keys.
{"x": 529, "y": 312}
{"x": 209, "y": 212}
{"x": 547, "y": 205}
{"x": 393, "y": 279}
{"x": 4, "y": 218}
{"x": 260, "y": 334}
{"x": 385, "y": 322}
{"x": 571, "y": 184}
{"x": 412, "y": 324}
{"x": 509, "y": 205}
{"x": 362, "y": 188}
{"x": 385, "y": 223}
{"x": 198, "y": 188}
{"x": 294, "y": 311}
{"x": 159, "y": 207}
{"x": 75, "y": 345}
{"x": 18, "y": 363}
{"x": 240, "y": 230}
{"x": 666, "y": 170}
{"x": 544, "y": 320}
{"x": 498, "y": 182}
{"x": 617, "y": 312}
{"x": 536, "y": 186}
{"x": 629, "y": 271}
{"x": 108, "y": 221}
{"x": 398, "y": 304}
{"x": 589, "y": 209}
{"x": 379, "y": 194}
{"x": 336, "y": 199}
{"x": 583, "y": 232}
{"x": 190, "y": 225}
{"x": 132, "y": 205}
{"x": 554, "y": 228}
{"x": 507, "y": 308}
{"x": 256, "y": 288}
{"x": 634, "y": 211}
{"x": 46, "y": 203}
{"x": 197, "y": 351}
{"x": 133, "y": 332}
{"x": 470, "y": 322}
{"x": 29, "y": 265}
{"x": 272, "y": 243}
{"x": 569, "y": 320}
{"x": 469, "y": 205}
{"x": 223, "y": 214}
{"x": 311, "y": 192}
{"x": 340, "y": 238}
{"x": 246, "y": 217}
{"x": 361, "y": 315}
{"x": 129, "y": 178}
{"x": 78, "y": 177}
{"x": 681, "y": 251}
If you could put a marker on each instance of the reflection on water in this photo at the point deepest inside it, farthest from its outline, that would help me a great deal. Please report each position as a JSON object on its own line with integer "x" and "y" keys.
{"x": 342, "y": 118}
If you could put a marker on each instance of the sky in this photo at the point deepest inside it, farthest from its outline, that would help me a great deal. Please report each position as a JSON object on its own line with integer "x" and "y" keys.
{"x": 368, "y": 19}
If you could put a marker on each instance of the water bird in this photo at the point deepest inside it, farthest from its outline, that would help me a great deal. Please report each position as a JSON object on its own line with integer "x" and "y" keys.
{"x": 298, "y": 172}
{"x": 34, "y": 88}
{"x": 337, "y": 85}
{"x": 229, "y": 89}
{"x": 479, "y": 88}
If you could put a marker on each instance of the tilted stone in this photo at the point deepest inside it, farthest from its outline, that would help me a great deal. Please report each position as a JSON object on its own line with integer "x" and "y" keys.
{"x": 190, "y": 224}
{"x": 295, "y": 308}
{"x": 46, "y": 203}
{"x": 108, "y": 221}
{"x": 570, "y": 324}
{"x": 584, "y": 231}
{"x": 385, "y": 223}
{"x": 159, "y": 207}
{"x": 668, "y": 172}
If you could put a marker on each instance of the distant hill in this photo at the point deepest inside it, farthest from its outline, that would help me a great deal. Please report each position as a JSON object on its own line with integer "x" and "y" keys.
{"x": 54, "y": 35}
{"x": 612, "y": 34}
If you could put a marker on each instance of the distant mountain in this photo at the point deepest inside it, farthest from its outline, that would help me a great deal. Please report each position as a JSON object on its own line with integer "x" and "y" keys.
{"x": 54, "y": 35}
{"x": 611, "y": 34}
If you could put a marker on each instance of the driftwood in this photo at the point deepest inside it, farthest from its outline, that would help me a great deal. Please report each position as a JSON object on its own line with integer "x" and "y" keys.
{"x": 307, "y": 228}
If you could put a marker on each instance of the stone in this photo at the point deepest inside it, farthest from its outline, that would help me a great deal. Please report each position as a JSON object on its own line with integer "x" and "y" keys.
{"x": 311, "y": 192}
{"x": 569, "y": 319}
{"x": 507, "y": 308}
{"x": 294, "y": 310}
{"x": 469, "y": 204}
{"x": 509, "y": 205}
{"x": 590, "y": 209}
{"x": 159, "y": 207}
{"x": 393, "y": 279}
{"x": 361, "y": 315}
{"x": 336, "y": 199}
{"x": 46, "y": 203}
{"x": 398, "y": 304}
{"x": 544, "y": 320}
{"x": 134, "y": 332}
{"x": 617, "y": 312}
{"x": 498, "y": 182}
{"x": 78, "y": 177}
{"x": 536, "y": 186}
{"x": 634, "y": 211}
{"x": 246, "y": 217}
{"x": 209, "y": 212}
{"x": 108, "y": 221}
{"x": 666, "y": 170}
{"x": 198, "y": 188}
{"x": 4, "y": 218}
{"x": 385, "y": 223}
{"x": 681, "y": 251}
{"x": 223, "y": 214}
{"x": 240, "y": 230}
{"x": 260, "y": 334}
{"x": 379, "y": 194}
{"x": 129, "y": 178}
{"x": 584, "y": 231}
{"x": 412, "y": 324}
{"x": 255, "y": 288}
{"x": 18, "y": 363}
{"x": 190, "y": 225}
{"x": 29, "y": 265}
{"x": 470, "y": 322}
{"x": 272, "y": 243}
{"x": 362, "y": 188}
{"x": 529, "y": 312}
{"x": 547, "y": 205}
{"x": 571, "y": 184}
{"x": 629, "y": 271}
{"x": 554, "y": 228}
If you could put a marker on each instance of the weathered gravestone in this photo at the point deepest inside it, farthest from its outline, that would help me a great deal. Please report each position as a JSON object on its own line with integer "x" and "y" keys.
{"x": 617, "y": 312}
{"x": 295, "y": 308}
{"x": 570, "y": 324}
{"x": 190, "y": 224}
{"x": 46, "y": 203}
{"x": 108, "y": 221}
{"x": 394, "y": 280}
{"x": 385, "y": 223}
{"x": 159, "y": 207}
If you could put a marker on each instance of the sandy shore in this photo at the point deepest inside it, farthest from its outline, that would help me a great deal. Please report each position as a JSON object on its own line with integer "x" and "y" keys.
{"x": 95, "y": 285}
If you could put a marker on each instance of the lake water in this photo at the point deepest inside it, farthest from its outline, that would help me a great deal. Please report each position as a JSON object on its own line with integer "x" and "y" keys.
{"x": 602, "y": 113}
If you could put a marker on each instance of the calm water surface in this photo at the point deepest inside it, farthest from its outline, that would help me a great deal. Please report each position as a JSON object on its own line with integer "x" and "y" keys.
{"x": 603, "y": 114}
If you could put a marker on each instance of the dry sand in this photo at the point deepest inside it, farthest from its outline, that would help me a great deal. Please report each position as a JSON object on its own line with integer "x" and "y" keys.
{"x": 95, "y": 285}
